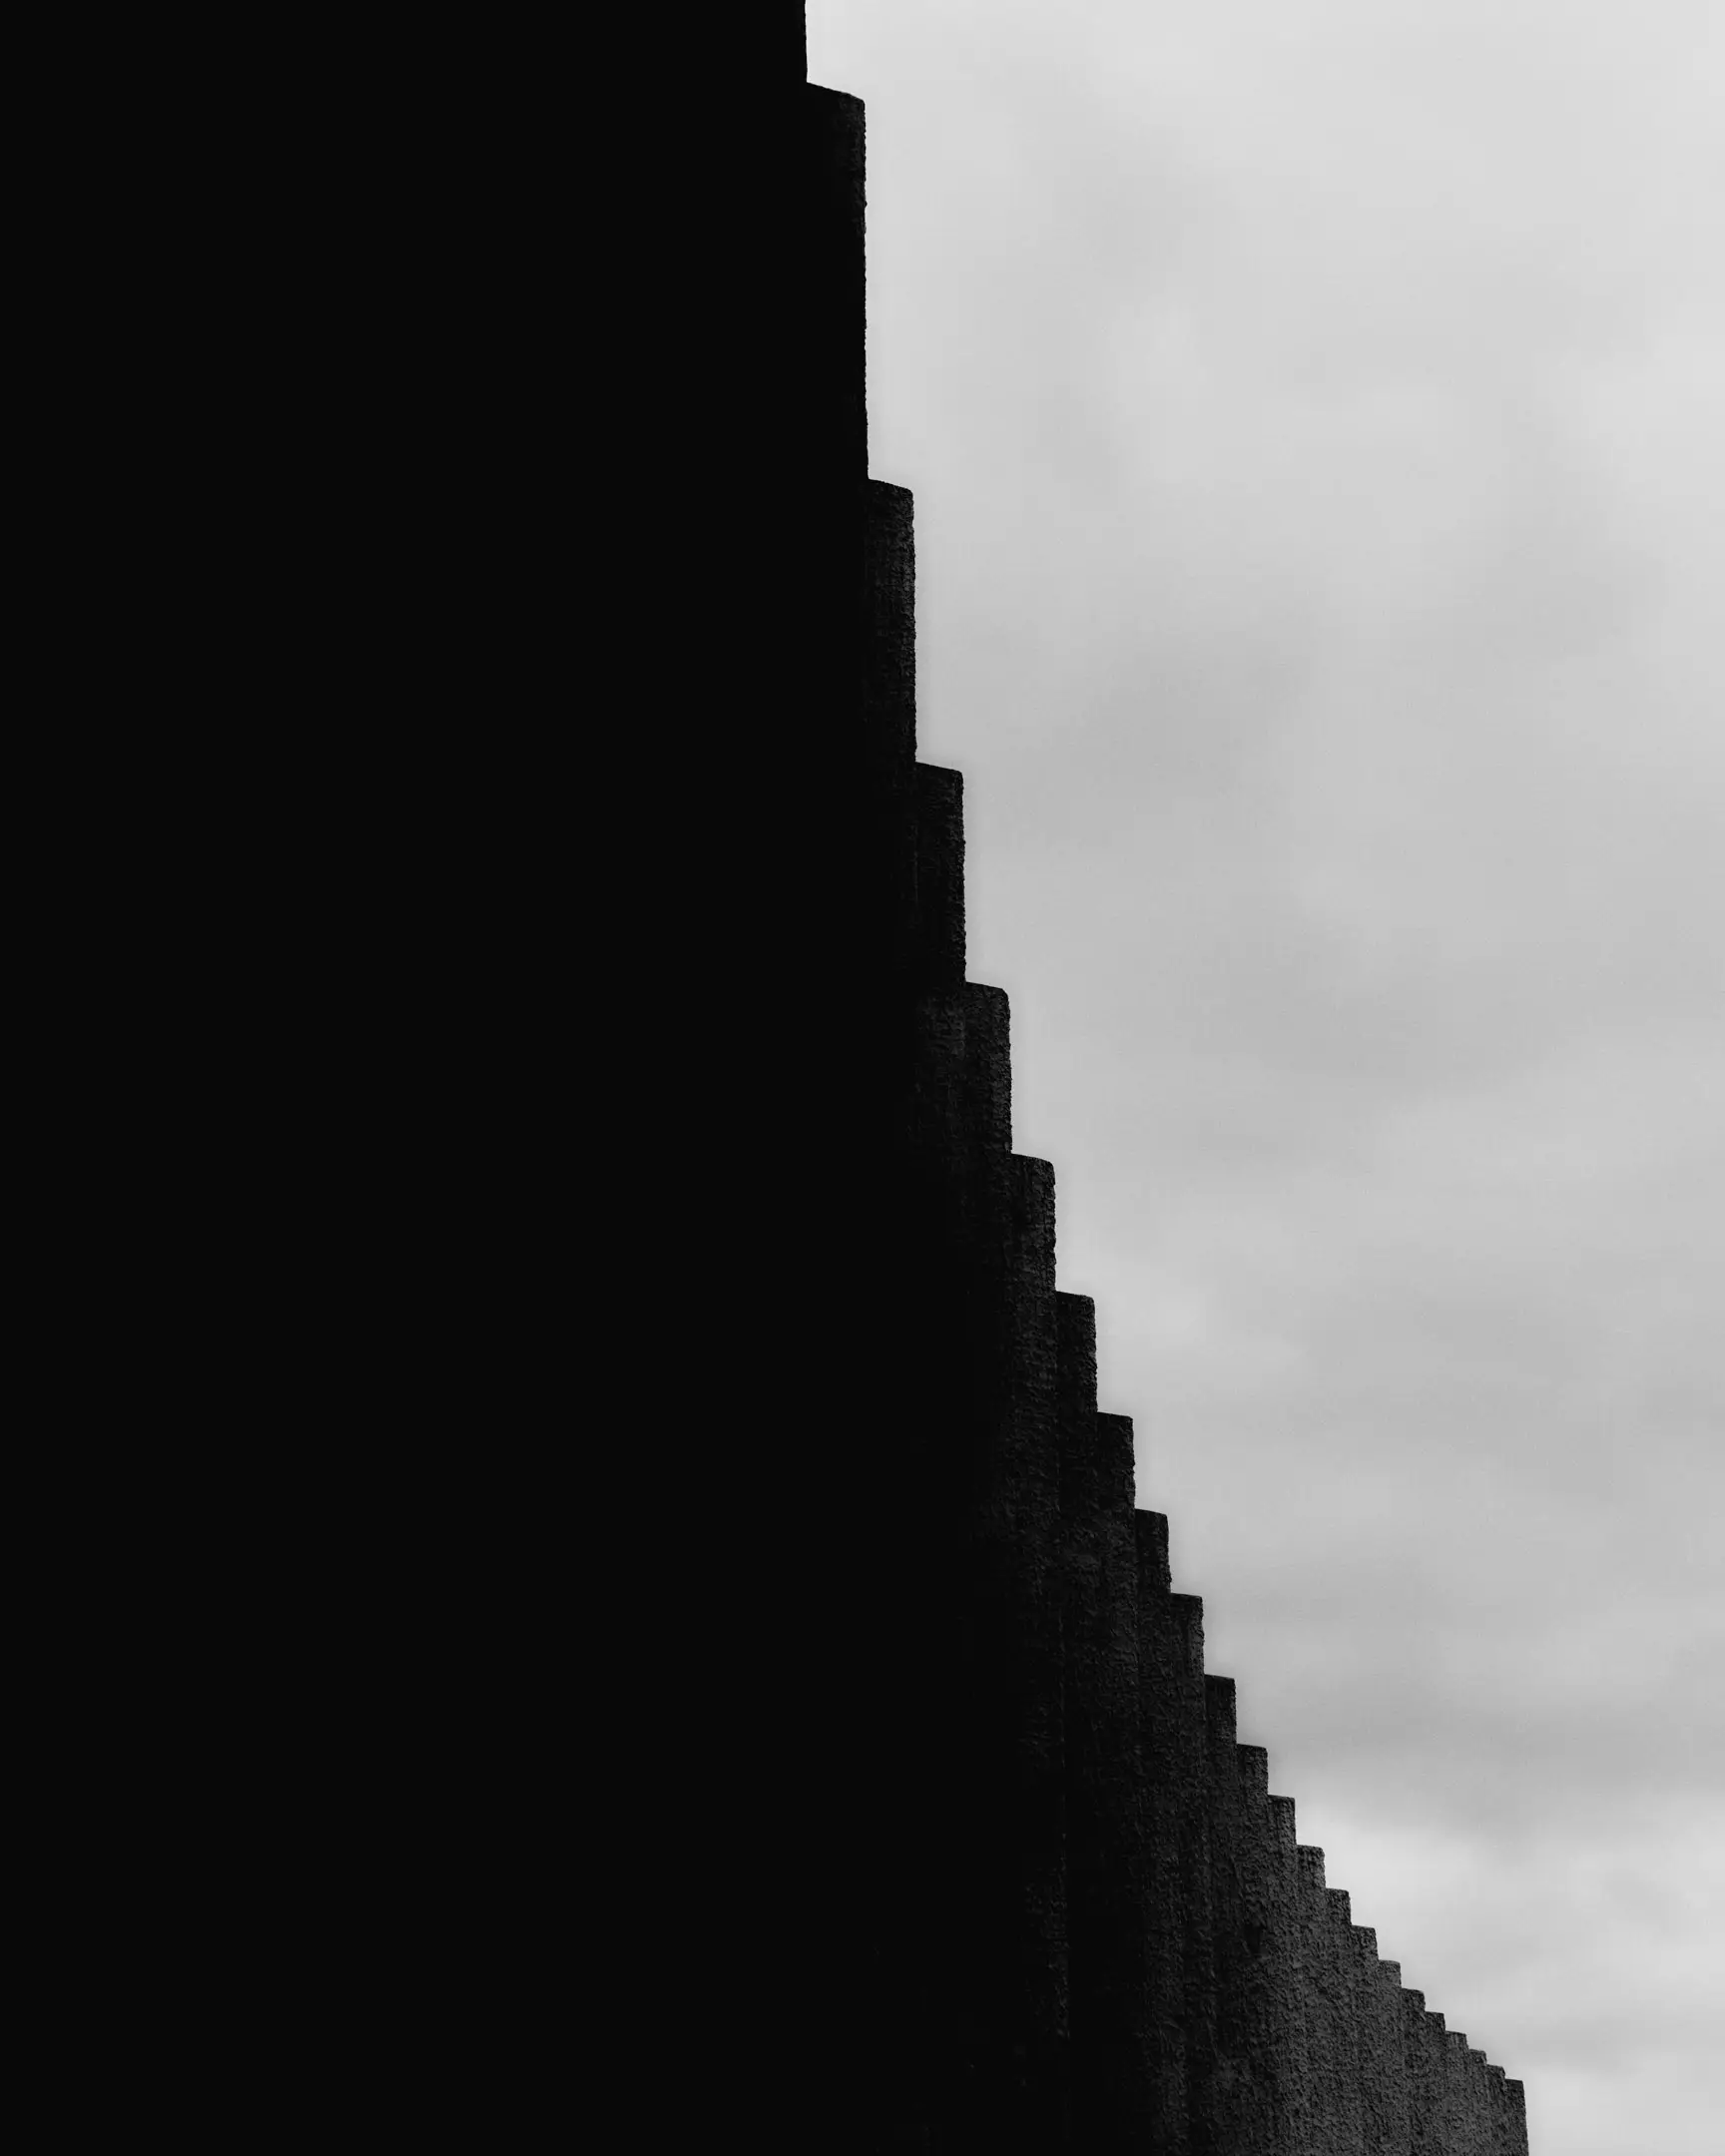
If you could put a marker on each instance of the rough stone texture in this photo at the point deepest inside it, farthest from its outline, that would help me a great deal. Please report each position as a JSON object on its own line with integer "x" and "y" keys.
{"x": 1340, "y": 1962}
{"x": 1457, "y": 2105}
{"x": 1291, "y": 2068}
{"x": 1428, "y": 2104}
{"x": 935, "y": 957}
{"x": 1318, "y": 2000}
{"x": 1481, "y": 2124}
{"x": 1383, "y": 2069}
{"x": 1226, "y": 2112}
{"x": 835, "y": 345}
{"x": 1166, "y": 1769}
{"x": 1112, "y": 2059}
{"x": 1512, "y": 2121}
{"x": 888, "y": 627}
{"x": 1266, "y": 1987}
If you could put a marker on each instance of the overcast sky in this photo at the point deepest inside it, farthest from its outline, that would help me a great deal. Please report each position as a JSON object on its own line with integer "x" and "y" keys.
{"x": 1315, "y": 413}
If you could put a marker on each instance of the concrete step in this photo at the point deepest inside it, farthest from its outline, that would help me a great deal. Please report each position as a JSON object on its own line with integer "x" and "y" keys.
{"x": 962, "y": 1085}
{"x": 936, "y": 952}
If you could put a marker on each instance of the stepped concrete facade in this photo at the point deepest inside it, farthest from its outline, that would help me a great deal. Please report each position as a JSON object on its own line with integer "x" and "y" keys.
{"x": 1080, "y": 1917}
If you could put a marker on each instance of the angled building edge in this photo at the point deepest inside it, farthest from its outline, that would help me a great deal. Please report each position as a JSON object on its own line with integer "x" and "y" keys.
{"x": 1074, "y": 1917}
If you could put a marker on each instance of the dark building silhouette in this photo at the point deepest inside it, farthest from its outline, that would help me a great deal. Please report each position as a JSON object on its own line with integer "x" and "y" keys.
{"x": 1023, "y": 1887}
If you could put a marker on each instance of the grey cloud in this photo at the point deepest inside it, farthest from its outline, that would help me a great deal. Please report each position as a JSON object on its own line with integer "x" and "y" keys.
{"x": 1317, "y": 420}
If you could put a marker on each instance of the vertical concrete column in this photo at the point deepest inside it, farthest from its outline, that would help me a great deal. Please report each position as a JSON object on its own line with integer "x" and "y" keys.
{"x": 1388, "y": 2131}
{"x": 935, "y": 959}
{"x": 1340, "y": 1962}
{"x": 879, "y": 766}
{"x": 1457, "y": 2125}
{"x": 1481, "y": 2128}
{"x": 1187, "y": 1737}
{"x": 944, "y": 1326}
{"x": 1506, "y": 2139}
{"x": 1164, "y": 1735}
{"x": 1226, "y": 2111}
{"x": 1262, "y": 1979}
{"x": 1423, "y": 2048}
{"x": 1122, "y": 1797}
{"x": 830, "y": 365}
{"x": 1512, "y": 2134}
{"x": 816, "y": 574}
{"x": 977, "y": 1268}
{"x": 1323, "y": 2030}
{"x": 1111, "y": 2081}
{"x": 959, "y": 1109}
{"x": 889, "y": 640}
{"x": 1296, "y": 2093}
{"x": 1076, "y": 1591}
{"x": 1018, "y": 1520}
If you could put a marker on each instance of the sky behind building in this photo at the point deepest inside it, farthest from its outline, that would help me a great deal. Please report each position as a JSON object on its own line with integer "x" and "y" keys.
{"x": 1316, "y": 412}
